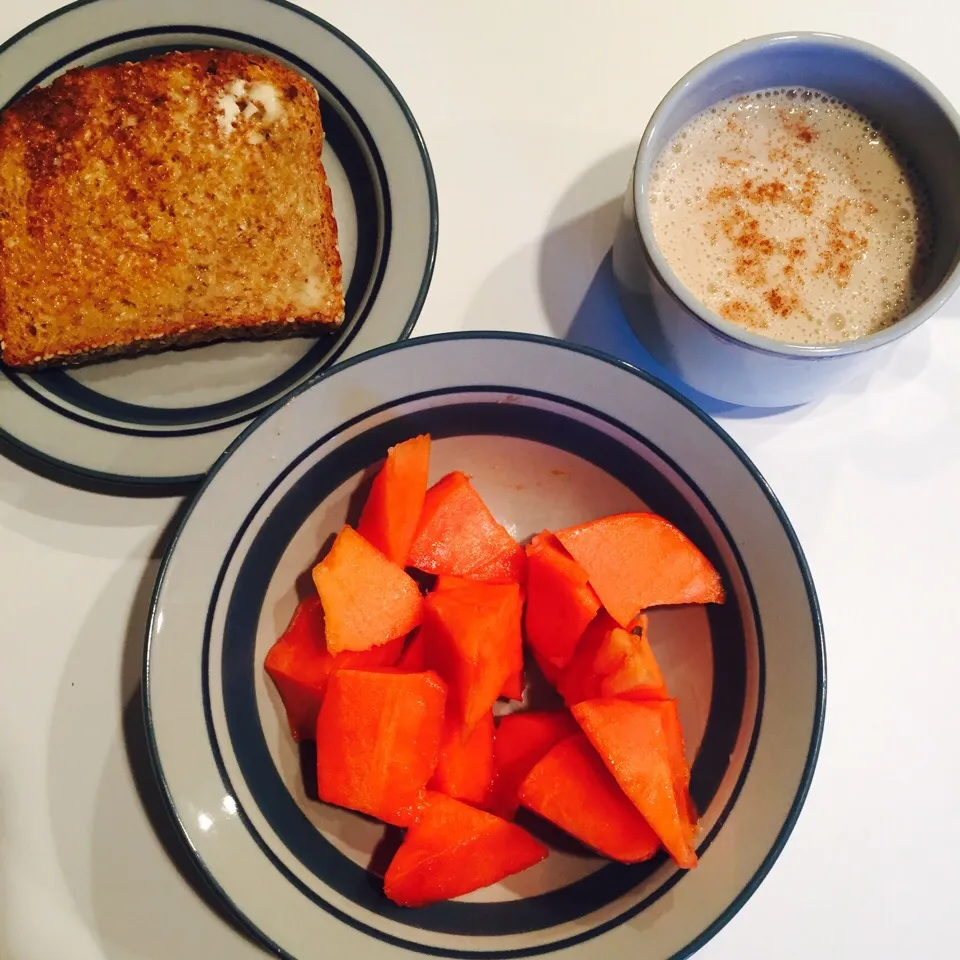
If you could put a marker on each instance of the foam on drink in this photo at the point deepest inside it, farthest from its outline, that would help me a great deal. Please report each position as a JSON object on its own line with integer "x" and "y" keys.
{"x": 789, "y": 213}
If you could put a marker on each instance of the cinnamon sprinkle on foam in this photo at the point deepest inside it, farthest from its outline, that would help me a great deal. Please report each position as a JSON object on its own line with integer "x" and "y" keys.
{"x": 788, "y": 212}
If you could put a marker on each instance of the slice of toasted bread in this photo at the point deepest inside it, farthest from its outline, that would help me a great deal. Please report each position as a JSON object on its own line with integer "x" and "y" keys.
{"x": 164, "y": 203}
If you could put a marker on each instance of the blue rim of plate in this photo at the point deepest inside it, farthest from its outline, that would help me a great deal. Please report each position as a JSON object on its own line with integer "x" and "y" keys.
{"x": 258, "y": 401}
{"x": 820, "y": 649}
{"x": 366, "y": 280}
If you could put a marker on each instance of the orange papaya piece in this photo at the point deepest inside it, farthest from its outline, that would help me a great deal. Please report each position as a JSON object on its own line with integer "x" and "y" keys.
{"x": 521, "y": 741}
{"x": 414, "y": 658}
{"x": 367, "y": 599}
{"x": 632, "y": 741}
{"x": 465, "y": 768}
{"x": 458, "y": 536}
{"x": 299, "y": 665}
{"x": 640, "y": 560}
{"x": 378, "y": 741}
{"x": 677, "y": 752}
{"x": 447, "y": 582}
{"x": 550, "y": 673}
{"x": 392, "y": 511}
{"x": 572, "y": 788}
{"x": 508, "y": 567}
{"x": 472, "y": 638}
{"x": 560, "y": 601}
{"x": 612, "y": 662}
{"x": 513, "y": 688}
{"x": 456, "y": 849}
{"x": 579, "y": 680}
{"x": 627, "y": 666}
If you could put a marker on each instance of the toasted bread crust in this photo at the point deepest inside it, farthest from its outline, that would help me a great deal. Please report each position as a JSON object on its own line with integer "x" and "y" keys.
{"x": 164, "y": 203}
{"x": 256, "y": 329}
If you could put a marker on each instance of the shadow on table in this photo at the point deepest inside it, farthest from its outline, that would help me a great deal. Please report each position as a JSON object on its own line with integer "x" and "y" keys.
{"x": 161, "y": 818}
{"x": 50, "y": 470}
{"x": 137, "y": 746}
{"x": 896, "y": 418}
{"x": 575, "y": 278}
{"x": 117, "y": 868}
{"x": 6, "y": 912}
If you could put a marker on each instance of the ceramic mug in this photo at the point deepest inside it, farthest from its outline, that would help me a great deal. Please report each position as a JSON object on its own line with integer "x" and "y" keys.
{"x": 727, "y": 361}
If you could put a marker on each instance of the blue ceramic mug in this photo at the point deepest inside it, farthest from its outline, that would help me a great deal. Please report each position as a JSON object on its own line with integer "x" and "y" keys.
{"x": 733, "y": 363}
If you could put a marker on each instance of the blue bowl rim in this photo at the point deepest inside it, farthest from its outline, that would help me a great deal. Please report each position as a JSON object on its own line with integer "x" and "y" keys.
{"x": 803, "y": 789}
{"x": 679, "y": 292}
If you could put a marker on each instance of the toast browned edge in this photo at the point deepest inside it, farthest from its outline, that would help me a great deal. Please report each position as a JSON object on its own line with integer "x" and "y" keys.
{"x": 252, "y": 332}
{"x": 251, "y": 329}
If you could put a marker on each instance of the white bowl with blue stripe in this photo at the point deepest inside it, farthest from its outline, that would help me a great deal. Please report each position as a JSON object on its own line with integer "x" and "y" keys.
{"x": 552, "y": 435}
{"x": 159, "y": 422}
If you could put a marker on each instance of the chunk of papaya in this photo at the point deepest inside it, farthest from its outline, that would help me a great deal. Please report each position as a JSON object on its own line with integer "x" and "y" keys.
{"x": 513, "y": 688}
{"x": 299, "y": 664}
{"x": 395, "y": 502}
{"x": 458, "y": 535}
{"x": 456, "y": 849}
{"x": 572, "y": 788}
{"x": 639, "y": 560}
{"x": 612, "y": 662}
{"x": 677, "y": 755}
{"x": 560, "y": 601}
{"x": 378, "y": 741}
{"x": 632, "y": 740}
{"x": 367, "y": 599}
{"x": 521, "y": 741}
{"x": 472, "y": 638}
{"x": 465, "y": 768}
{"x": 413, "y": 659}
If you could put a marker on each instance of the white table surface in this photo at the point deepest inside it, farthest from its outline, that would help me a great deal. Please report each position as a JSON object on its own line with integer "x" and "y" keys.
{"x": 532, "y": 110}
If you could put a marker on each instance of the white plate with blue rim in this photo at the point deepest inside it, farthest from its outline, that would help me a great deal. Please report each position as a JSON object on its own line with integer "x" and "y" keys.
{"x": 157, "y": 423}
{"x": 552, "y": 435}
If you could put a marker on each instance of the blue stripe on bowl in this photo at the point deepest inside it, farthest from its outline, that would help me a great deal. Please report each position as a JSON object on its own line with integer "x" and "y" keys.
{"x": 365, "y": 172}
{"x": 239, "y": 669}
